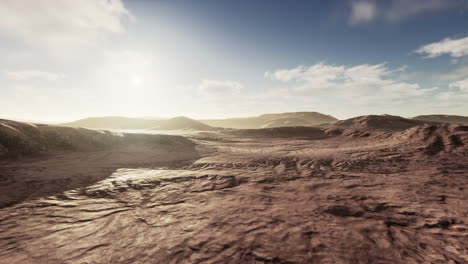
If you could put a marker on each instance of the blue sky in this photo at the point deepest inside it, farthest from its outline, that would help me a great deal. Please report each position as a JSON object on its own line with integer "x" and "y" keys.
{"x": 65, "y": 59}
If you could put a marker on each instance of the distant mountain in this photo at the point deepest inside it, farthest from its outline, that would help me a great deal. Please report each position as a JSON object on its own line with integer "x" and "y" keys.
{"x": 453, "y": 119}
{"x": 265, "y": 121}
{"x": 285, "y": 122}
{"x": 112, "y": 122}
{"x": 378, "y": 122}
{"x": 272, "y": 120}
{"x": 117, "y": 122}
{"x": 181, "y": 123}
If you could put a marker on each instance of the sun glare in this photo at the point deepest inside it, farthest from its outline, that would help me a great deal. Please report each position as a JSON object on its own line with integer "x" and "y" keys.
{"x": 136, "y": 80}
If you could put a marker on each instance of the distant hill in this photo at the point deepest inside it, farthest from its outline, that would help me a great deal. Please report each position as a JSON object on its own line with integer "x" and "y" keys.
{"x": 272, "y": 120}
{"x": 19, "y": 139}
{"x": 181, "y": 123}
{"x": 378, "y": 122}
{"x": 453, "y": 119}
{"x": 280, "y": 132}
{"x": 265, "y": 121}
{"x": 112, "y": 122}
{"x": 117, "y": 122}
{"x": 285, "y": 122}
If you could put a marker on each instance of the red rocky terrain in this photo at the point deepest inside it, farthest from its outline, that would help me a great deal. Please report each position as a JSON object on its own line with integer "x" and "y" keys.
{"x": 337, "y": 194}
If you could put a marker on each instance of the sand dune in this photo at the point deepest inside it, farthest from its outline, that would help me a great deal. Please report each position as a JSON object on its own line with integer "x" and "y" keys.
{"x": 366, "y": 191}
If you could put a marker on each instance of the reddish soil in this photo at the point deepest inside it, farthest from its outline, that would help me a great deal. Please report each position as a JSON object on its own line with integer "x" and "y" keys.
{"x": 331, "y": 195}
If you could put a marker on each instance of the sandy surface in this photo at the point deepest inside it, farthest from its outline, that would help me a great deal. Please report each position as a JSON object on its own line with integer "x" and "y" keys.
{"x": 358, "y": 197}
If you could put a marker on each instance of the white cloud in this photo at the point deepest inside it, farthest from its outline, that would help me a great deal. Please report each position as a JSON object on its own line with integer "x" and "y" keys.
{"x": 462, "y": 85}
{"x": 62, "y": 24}
{"x": 451, "y": 101}
{"x": 34, "y": 74}
{"x": 402, "y": 9}
{"x": 362, "y": 11}
{"x": 397, "y": 10}
{"x": 457, "y": 74}
{"x": 219, "y": 88}
{"x": 319, "y": 73}
{"x": 454, "y": 47}
{"x": 356, "y": 82}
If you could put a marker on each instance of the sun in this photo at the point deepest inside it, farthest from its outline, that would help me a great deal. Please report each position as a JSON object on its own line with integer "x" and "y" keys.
{"x": 136, "y": 80}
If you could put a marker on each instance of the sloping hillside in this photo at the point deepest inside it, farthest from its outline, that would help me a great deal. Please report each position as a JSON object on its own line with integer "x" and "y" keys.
{"x": 273, "y": 120}
{"x": 181, "y": 123}
{"x": 433, "y": 139}
{"x": 18, "y": 138}
{"x": 378, "y": 122}
{"x": 116, "y": 122}
{"x": 280, "y": 132}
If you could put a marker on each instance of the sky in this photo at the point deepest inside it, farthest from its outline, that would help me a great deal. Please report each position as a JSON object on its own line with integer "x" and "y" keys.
{"x": 62, "y": 60}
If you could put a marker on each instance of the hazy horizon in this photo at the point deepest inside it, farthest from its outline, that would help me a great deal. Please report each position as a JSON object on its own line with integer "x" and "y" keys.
{"x": 58, "y": 122}
{"x": 224, "y": 59}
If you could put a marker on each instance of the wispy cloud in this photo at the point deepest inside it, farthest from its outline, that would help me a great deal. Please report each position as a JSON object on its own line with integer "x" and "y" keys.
{"x": 219, "y": 88}
{"x": 402, "y": 9}
{"x": 454, "y": 47}
{"x": 394, "y": 11}
{"x": 455, "y": 75}
{"x": 362, "y": 11}
{"x": 34, "y": 74}
{"x": 356, "y": 82}
{"x": 63, "y": 24}
{"x": 462, "y": 85}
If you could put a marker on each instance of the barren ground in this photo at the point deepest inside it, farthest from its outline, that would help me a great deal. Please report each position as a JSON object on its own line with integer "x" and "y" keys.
{"x": 393, "y": 197}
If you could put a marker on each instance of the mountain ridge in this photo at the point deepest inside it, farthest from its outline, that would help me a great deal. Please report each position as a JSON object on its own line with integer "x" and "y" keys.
{"x": 452, "y": 119}
{"x": 268, "y": 120}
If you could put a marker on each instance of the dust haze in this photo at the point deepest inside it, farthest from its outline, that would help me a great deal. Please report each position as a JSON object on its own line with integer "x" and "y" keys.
{"x": 233, "y": 132}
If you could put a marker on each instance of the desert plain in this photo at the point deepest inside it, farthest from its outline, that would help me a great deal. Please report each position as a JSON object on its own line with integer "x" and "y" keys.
{"x": 371, "y": 189}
